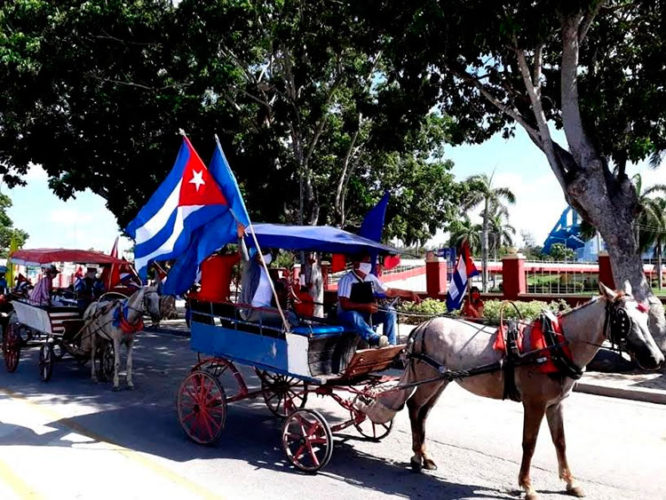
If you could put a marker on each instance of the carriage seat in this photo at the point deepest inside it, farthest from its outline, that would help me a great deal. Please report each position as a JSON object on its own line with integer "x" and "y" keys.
{"x": 319, "y": 331}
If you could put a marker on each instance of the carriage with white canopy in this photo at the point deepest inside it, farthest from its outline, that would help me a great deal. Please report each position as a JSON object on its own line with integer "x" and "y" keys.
{"x": 57, "y": 328}
{"x": 317, "y": 356}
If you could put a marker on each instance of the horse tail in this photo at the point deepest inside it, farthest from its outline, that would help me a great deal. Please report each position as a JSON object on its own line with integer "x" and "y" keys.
{"x": 384, "y": 407}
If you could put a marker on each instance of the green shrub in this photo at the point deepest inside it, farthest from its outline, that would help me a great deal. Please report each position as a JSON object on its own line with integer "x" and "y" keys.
{"x": 418, "y": 313}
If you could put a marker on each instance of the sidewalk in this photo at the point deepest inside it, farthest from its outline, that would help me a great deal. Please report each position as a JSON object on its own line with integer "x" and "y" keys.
{"x": 647, "y": 387}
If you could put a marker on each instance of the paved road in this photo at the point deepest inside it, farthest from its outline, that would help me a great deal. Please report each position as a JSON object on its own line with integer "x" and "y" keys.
{"x": 71, "y": 439}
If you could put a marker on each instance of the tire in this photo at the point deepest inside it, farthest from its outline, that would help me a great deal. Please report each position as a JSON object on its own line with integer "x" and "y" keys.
{"x": 282, "y": 394}
{"x": 106, "y": 360}
{"x": 11, "y": 347}
{"x": 46, "y": 361}
{"x": 366, "y": 427}
{"x": 202, "y": 407}
{"x": 307, "y": 440}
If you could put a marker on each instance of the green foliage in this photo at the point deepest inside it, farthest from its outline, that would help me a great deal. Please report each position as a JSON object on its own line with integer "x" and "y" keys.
{"x": 491, "y": 311}
{"x": 559, "y": 251}
{"x": 300, "y": 93}
{"x": 7, "y": 229}
{"x": 526, "y": 310}
{"x": 418, "y": 313}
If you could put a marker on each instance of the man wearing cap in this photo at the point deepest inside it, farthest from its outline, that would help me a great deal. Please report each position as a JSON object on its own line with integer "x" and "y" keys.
{"x": 41, "y": 294}
{"x": 358, "y": 291}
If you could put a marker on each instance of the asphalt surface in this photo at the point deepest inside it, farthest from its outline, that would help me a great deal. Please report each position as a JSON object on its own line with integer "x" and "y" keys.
{"x": 70, "y": 438}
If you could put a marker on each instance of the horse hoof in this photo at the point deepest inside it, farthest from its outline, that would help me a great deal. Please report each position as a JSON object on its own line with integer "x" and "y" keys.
{"x": 416, "y": 464}
{"x": 575, "y": 491}
{"x": 116, "y": 389}
{"x": 429, "y": 464}
{"x": 130, "y": 387}
{"x": 531, "y": 496}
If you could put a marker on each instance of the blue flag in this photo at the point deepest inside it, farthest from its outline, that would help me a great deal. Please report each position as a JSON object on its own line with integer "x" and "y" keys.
{"x": 373, "y": 226}
{"x": 186, "y": 200}
{"x": 214, "y": 235}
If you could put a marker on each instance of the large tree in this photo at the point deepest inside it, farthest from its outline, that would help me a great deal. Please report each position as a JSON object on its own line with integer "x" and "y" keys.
{"x": 592, "y": 68}
{"x": 95, "y": 92}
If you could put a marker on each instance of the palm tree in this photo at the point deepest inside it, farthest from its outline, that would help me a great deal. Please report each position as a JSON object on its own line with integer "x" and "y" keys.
{"x": 652, "y": 225}
{"x": 501, "y": 232}
{"x": 463, "y": 229}
{"x": 481, "y": 192}
{"x": 644, "y": 200}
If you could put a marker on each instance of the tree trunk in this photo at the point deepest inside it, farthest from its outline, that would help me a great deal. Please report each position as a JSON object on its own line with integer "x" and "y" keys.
{"x": 314, "y": 282}
{"x": 610, "y": 204}
{"x": 484, "y": 248}
{"x": 659, "y": 250}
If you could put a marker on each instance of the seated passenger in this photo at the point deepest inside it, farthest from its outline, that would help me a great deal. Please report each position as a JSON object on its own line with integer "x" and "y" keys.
{"x": 41, "y": 294}
{"x": 472, "y": 304}
{"x": 256, "y": 291}
{"x": 358, "y": 291}
{"x": 3, "y": 284}
{"x": 23, "y": 286}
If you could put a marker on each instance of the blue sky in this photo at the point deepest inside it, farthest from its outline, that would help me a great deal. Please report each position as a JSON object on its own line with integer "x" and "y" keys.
{"x": 85, "y": 222}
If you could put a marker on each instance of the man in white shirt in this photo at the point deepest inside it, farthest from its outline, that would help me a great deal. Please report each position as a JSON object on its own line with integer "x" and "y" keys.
{"x": 358, "y": 291}
{"x": 256, "y": 291}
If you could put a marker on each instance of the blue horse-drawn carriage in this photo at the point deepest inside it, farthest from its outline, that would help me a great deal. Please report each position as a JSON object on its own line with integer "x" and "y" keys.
{"x": 316, "y": 356}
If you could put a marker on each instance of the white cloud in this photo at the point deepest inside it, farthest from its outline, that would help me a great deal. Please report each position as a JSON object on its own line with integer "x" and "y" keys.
{"x": 36, "y": 173}
{"x": 70, "y": 216}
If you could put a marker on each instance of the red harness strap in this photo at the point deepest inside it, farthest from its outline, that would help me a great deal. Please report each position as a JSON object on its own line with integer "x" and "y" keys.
{"x": 127, "y": 327}
{"x": 538, "y": 342}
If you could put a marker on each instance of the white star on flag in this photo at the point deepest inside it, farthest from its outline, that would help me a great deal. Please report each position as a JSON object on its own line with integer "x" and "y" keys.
{"x": 197, "y": 179}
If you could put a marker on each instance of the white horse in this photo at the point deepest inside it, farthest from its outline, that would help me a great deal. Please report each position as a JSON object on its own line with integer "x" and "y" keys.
{"x": 449, "y": 344}
{"x": 117, "y": 322}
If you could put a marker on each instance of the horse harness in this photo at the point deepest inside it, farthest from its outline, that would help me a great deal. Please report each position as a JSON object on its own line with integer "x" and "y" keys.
{"x": 617, "y": 324}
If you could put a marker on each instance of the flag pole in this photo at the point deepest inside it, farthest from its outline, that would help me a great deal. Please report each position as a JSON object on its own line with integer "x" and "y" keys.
{"x": 261, "y": 255}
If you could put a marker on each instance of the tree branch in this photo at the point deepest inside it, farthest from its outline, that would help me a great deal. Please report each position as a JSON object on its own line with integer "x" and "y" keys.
{"x": 534, "y": 93}
{"x": 512, "y": 112}
{"x": 580, "y": 145}
{"x": 587, "y": 22}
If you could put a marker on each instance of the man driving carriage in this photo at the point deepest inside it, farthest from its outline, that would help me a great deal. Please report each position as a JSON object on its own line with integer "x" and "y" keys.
{"x": 358, "y": 293}
{"x": 88, "y": 288}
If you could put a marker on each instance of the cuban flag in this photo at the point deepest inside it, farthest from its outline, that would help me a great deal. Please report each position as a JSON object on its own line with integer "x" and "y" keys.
{"x": 223, "y": 229}
{"x": 464, "y": 270}
{"x": 187, "y": 199}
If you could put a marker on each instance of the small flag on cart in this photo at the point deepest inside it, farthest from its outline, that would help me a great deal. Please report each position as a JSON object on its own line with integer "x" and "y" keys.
{"x": 464, "y": 270}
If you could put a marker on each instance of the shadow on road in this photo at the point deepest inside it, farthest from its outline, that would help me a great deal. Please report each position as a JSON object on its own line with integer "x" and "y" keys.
{"x": 145, "y": 420}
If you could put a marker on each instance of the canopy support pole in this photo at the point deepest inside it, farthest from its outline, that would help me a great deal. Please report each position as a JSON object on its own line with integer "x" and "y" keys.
{"x": 270, "y": 281}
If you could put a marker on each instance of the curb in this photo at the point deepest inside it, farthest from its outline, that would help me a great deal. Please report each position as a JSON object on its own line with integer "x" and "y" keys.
{"x": 643, "y": 394}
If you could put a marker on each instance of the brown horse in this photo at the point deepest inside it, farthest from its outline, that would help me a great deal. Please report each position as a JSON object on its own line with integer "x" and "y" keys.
{"x": 457, "y": 345}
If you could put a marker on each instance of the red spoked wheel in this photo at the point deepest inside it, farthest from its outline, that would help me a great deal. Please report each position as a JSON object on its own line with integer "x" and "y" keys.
{"x": 202, "y": 407}
{"x": 11, "y": 347}
{"x": 366, "y": 427}
{"x": 281, "y": 393}
{"x": 307, "y": 440}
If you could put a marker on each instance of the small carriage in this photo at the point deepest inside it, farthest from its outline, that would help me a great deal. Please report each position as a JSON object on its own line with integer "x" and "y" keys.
{"x": 57, "y": 328}
{"x": 316, "y": 357}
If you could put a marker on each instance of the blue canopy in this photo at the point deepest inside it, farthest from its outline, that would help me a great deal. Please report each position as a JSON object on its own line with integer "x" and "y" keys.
{"x": 314, "y": 238}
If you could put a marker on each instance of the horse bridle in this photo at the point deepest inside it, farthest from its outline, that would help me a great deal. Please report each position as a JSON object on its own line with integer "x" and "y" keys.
{"x": 617, "y": 324}
{"x": 143, "y": 302}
